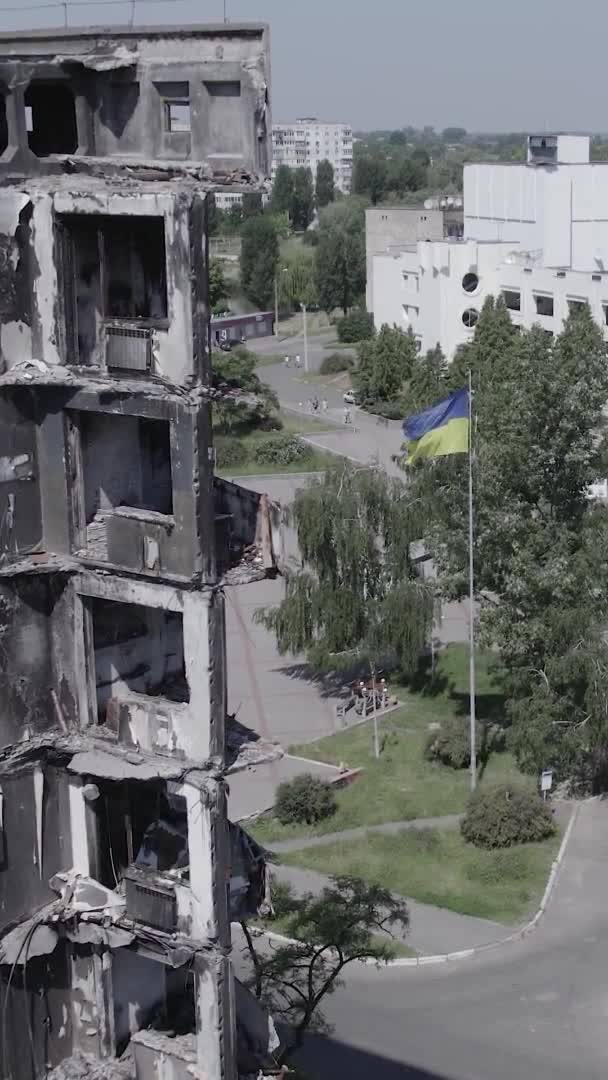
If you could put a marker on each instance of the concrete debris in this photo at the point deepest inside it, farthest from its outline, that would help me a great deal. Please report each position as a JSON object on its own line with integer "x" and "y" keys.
{"x": 103, "y": 57}
{"x": 245, "y": 747}
{"x": 31, "y": 938}
{"x": 85, "y": 1067}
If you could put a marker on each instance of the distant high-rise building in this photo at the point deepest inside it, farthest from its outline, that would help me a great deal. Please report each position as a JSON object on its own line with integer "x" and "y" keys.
{"x": 308, "y": 141}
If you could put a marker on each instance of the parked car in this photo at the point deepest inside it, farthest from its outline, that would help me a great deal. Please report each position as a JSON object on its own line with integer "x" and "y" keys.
{"x": 349, "y": 397}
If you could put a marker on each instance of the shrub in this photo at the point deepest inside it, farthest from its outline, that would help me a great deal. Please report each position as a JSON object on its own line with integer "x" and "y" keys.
{"x": 335, "y": 363}
{"x": 391, "y": 410}
{"x": 506, "y": 814}
{"x": 230, "y": 451}
{"x": 280, "y": 449}
{"x": 356, "y": 326}
{"x": 304, "y": 799}
{"x": 451, "y": 745}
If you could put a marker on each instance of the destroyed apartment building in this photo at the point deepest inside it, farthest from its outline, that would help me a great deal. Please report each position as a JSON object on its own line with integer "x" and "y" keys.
{"x": 119, "y": 870}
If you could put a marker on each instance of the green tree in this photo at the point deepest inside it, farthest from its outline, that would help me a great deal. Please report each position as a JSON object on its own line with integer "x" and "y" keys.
{"x": 297, "y": 281}
{"x": 244, "y": 401}
{"x": 454, "y": 134}
{"x": 303, "y": 202}
{"x": 251, "y": 204}
{"x": 348, "y": 921}
{"x": 541, "y": 555}
{"x": 340, "y": 255}
{"x": 325, "y": 191}
{"x": 259, "y": 259}
{"x": 358, "y": 595}
{"x": 282, "y": 191}
{"x": 428, "y": 381}
{"x": 385, "y": 364}
{"x": 370, "y": 176}
{"x": 218, "y": 289}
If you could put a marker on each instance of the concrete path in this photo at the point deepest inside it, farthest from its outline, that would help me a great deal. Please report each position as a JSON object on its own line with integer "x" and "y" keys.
{"x": 280, "y": 847}
{"x": 252, "y": 790}
{"x": 432, "y": 930}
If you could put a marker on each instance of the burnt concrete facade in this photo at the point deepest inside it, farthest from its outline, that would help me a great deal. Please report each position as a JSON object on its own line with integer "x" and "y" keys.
{"x": 119, "y": 871}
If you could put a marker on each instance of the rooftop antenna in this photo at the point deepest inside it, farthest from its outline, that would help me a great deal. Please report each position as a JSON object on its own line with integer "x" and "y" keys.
{"x": 225, "y": 17}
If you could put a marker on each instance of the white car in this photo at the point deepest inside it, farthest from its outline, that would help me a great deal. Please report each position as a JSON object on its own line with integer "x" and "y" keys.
{"x": 349, "y": 397}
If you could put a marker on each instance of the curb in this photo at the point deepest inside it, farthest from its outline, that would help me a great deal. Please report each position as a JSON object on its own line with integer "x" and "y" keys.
{"x": 464, "y": 954}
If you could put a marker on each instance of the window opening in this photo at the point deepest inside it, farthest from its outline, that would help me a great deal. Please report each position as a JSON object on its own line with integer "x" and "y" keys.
{"x": 575, "y": 306}
{"x": 470, "y": 317}
{"x": 177, "y": 115}
{"x": 50, "y": 115}
{"x": 141, "y": 824}
{"x": 114, "y": 268}
{"x": 126, "y": 465}
{"x": 512, "y": 299}
{"x": 470, "y": 282}
{"x": 137, "y": 650}
{"x": 544, "y": 304}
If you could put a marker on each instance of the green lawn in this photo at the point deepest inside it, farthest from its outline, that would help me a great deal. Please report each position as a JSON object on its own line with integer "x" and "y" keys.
{"x": 401, "y": 785}
{"x": 291, "y": 423}
{"x": 437, "y": 867}
{"x": 284, "y": 925}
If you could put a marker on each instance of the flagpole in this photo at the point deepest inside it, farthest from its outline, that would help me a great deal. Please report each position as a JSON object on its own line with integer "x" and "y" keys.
{"x": 471, "y": 603}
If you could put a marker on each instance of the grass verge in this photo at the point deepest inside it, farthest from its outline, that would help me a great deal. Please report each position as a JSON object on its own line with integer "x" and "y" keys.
{"x": 437, "y": 867}
{"x": 292, "y": 424}
{"x": 283, "y": 925}
{"x": 402, "y": 785}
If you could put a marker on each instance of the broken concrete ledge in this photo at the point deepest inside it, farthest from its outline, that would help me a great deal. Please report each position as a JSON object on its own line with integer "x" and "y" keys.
{"x": 462, "y": 954}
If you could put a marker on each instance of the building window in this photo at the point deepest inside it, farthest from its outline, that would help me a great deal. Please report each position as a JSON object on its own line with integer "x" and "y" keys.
{"x": 605, "y": 310}
{"x": 544, "y": 304}
{"x": 113, "y": 268}
{"x": 175, "y": 98}
{"x": 137, "y": 650}
{"x": 470, "y": 317}
{"x": 50, "y": 119}
{"x": 470, "y": 282}
{"x": 512, "y": 299}
{"x": 575, "y": 306}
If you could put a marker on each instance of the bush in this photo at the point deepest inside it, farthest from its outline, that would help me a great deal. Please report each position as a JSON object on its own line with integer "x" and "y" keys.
{"x": 506, "y": 814}
{"x": 451, "y": 743}
{"x": 304, "y": 799}
{"x": 280, "y": 449}
{"x": 230, "y": 451}
{"x": 357, "y": 326}
{"x": 335, "y": 363}
{"x": 391, "y": 410}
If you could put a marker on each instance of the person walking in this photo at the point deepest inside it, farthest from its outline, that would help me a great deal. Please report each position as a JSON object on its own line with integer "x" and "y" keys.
{"x": 287, "y": 360}
{"x": 298, "y": 361}
{"x": 324, "y": 404}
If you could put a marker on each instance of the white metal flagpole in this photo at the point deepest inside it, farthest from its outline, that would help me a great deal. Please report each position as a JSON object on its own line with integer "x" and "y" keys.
{"x": 471, "y": 601}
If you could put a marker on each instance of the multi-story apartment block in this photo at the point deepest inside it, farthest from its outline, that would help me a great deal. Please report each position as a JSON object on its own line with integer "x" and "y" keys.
{"x": 119, "y": 870}
{"x": 534, "y": 232}
{"x": 309, "y": 141}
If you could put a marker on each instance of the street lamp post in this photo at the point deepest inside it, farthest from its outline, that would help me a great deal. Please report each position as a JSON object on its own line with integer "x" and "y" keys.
{"x": 303, "y": 306}
{"x": 285, "y": 270}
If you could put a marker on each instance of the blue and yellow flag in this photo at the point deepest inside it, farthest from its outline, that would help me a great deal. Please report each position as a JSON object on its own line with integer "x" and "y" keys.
{"x": 442, "y": 429}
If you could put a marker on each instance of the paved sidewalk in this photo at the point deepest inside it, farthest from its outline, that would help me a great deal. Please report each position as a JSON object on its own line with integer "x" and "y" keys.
{"x": 449, "y": 821}
{"x": 433, "y": 930}
{"x": 252, "y": 790}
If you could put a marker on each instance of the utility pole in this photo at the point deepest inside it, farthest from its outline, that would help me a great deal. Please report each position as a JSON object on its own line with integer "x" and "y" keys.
{"x": 376, "y": 742}
{"x": 473, "y": 734}
{"x": 225, "y": 17}
{"x": 276, "y": 305}
{"x": 303, "y": 306}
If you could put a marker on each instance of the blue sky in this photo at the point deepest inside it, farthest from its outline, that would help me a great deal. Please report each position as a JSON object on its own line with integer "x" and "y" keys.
{"x": 482, "y": 64}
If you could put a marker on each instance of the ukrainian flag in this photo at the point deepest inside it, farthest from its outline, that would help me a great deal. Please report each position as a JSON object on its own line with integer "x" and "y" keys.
{"x": 442, "y": 429}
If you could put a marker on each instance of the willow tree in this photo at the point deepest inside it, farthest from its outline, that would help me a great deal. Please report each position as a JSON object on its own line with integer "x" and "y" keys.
{"x": 358, "y": 595}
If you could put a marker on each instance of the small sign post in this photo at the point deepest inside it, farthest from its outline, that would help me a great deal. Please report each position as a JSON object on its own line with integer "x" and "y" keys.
{"x": 546, "y": 781}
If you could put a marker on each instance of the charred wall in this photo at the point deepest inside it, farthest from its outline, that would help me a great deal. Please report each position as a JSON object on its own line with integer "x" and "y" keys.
{"x": 20, "y": 511}
{"x": 35, "y": 808}
{"x": 37, "y": 1015}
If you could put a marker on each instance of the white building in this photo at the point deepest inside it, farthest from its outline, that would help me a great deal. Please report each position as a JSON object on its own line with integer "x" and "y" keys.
{"x": 225, "y": 200}
{"x": 308, "y": 141}
{"x": 537, "y": 232}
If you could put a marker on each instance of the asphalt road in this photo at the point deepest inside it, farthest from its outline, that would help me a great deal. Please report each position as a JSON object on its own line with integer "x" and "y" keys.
{"x": 534, "y": 1010}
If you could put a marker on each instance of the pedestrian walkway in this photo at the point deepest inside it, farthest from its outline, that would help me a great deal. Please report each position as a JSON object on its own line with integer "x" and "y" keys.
{"x": 253, "y": 790}
{"x": 432, "y": 930}
{"x": 449, "y": 821}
